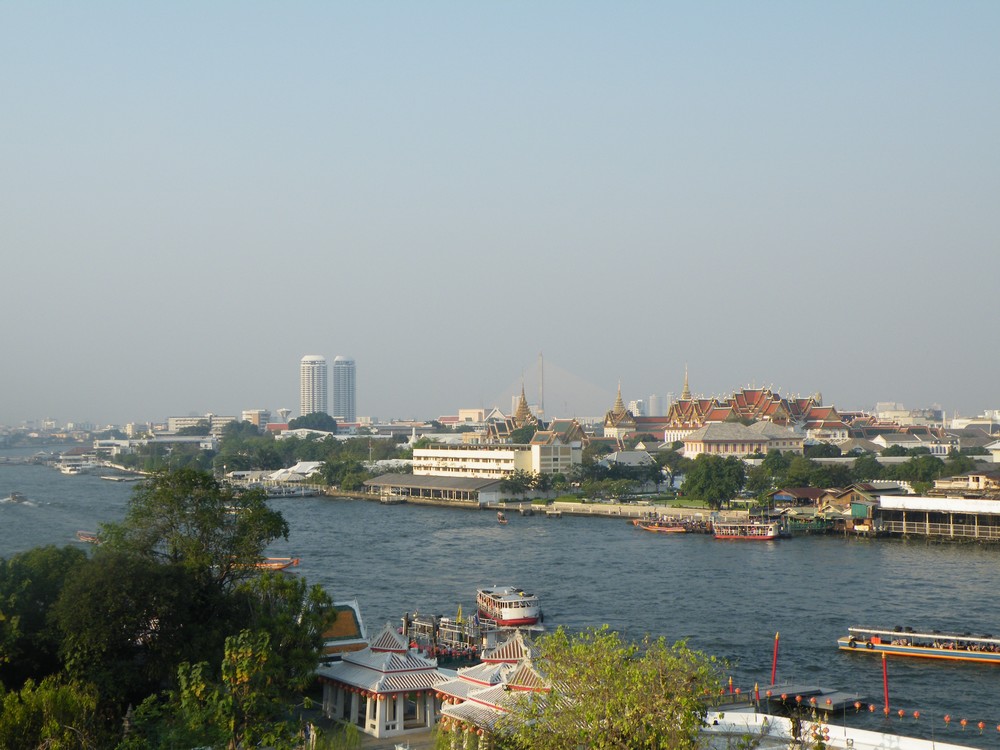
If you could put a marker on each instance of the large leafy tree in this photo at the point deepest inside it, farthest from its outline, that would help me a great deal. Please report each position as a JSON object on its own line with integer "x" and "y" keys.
{"x": 317, "y": 420}
{"x": 714, "y": 479}
{"x": 296, "y": 616}
{"x": 608, "y": 694}
{"x": 127, "y": 621}
{"x": 189, "y": 518}
{"x": 29, "y": 586}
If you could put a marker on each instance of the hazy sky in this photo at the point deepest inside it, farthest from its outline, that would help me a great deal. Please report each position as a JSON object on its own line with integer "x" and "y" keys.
{"x": 195, "y": 195}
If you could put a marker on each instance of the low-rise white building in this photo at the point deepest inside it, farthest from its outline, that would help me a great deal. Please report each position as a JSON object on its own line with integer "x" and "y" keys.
{"x": 497, "y": 461}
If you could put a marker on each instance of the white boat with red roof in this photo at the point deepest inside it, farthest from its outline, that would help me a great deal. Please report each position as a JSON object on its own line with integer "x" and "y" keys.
{"x": 508, "y": 606}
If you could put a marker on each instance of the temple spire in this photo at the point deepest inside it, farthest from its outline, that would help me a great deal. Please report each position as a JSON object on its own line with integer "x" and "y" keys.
{"x": 523, "y": 414}
{"x": 619, "y": 406}
{"x": 686, "y": 393}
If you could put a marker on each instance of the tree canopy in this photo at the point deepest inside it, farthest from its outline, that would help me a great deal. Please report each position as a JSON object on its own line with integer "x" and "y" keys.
{"x": 714, "y": 479}
{"x": 610, "y": 694}
{"x": 168, "y": 612}
{"x": 189, "y": 518}
{"x": 317, "y": 420}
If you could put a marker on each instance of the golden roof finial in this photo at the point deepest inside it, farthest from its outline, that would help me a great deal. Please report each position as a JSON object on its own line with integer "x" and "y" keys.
{"x": 619, "y": 406}
{"x": 686, "y": 393}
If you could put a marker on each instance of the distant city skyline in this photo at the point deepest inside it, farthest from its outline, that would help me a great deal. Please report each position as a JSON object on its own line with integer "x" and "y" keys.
{"x": 797, "y": 194}
{"x": 315, "y": 387}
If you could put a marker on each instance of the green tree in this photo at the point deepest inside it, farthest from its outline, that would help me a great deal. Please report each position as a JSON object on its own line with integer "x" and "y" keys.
{"x": 318, "y": 420}
{"x": 30, "y": 639}
{"x": 247, "y": 706}
{"x": 758, "y": 482}
{"x": 202, "y": 428}
{"x": 799, "y": 472}
{"x": 296, "y": 616}
{"x": 608, "y": 694}
{"x": 670, "y": 462}
{"x": 517, "y": 483}
{"x": 188, "y": 518}
{"x": 866, "y": 467}
{"x": 958, "y": 463}
{"x": 776, "y": 463}
{"x": 128, "y": 621}
{"x": 523, "y": 435}
{"x": 51, "y": 715}
{"x": 895, "y": 451}
{"x": 821, "y": 450}
{"x": 714, "y": 480}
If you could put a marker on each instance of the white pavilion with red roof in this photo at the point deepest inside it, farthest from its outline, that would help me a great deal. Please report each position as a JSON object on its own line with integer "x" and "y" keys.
{"x": 386, "y": 689}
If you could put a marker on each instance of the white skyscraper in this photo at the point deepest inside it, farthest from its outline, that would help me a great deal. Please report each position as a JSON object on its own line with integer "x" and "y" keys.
{"x": 344, "y": 393}
{"x": 312, "y": 385}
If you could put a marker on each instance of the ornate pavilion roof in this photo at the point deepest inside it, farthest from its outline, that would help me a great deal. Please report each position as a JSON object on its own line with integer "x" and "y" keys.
{"x": 388, "y": 665}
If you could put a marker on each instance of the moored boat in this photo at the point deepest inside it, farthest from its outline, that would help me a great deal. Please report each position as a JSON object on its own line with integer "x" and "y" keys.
{"x": 932, "y": 645}
{"x": 277, "y": 563}
{"x": 663, "y": 527}
{"x": 88, "y": 536}
{"x": 508, "y": 606}
{"x": 752, "y": 530}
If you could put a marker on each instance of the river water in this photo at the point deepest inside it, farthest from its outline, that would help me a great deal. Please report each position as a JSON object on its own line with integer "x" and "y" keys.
{"x": 725, "y": 598}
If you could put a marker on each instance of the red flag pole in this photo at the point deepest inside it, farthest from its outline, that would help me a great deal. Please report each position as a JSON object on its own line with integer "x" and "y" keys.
{"x": 885, "y": 682}
{"x": 774, "y": 661}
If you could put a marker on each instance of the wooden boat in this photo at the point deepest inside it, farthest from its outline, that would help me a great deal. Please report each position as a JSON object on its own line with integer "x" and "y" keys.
{"x": 277, "y": 563}
{"x": 508, "y": 606}
{"x": 752, "y": 530}
{"x": 933, "y": 645}
{"x": 501, "y": 518}
{"x": 88, "y": 536}
{"x": 663, "y": 527}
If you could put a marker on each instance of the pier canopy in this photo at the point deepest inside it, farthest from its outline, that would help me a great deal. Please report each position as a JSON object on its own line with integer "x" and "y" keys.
{"x": 942, "y": 517}
{"x": 469, "y": 490}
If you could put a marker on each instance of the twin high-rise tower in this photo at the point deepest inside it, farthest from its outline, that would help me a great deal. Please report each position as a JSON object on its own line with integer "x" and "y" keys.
{"x": 343, "y": 390}
{"x": 313, "y": 382}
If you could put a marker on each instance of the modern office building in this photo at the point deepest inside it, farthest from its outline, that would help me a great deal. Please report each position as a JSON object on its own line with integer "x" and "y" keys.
{"x": 344, "y": 393}
{"x": 312, "y": 385}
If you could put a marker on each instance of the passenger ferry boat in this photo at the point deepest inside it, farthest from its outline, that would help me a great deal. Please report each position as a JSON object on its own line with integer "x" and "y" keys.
{"x": 933, "y": 645}
{"x": 508, "y": 606}
{"x": 753, "y": 530}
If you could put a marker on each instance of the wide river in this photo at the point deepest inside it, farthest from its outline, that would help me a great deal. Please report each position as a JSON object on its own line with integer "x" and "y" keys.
{"x": 725, "y": 598}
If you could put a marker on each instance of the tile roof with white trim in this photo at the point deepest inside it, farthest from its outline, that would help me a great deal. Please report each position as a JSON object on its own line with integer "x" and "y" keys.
{"x": 388, "y": 665}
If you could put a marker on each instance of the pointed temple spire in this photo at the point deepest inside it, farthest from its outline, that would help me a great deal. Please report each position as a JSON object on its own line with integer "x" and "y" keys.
{"x": 686, "y": 393}
{"x": 523, "y": 415}
{"x": 619, "y": 406}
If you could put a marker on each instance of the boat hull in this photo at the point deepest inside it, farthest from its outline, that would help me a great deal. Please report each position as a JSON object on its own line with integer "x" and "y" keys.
{"x": 921, "y": 652}
{"x": 663, "y": 529}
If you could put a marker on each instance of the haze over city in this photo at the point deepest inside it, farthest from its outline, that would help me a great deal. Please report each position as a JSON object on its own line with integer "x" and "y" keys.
{"x": 196, "y": 196}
